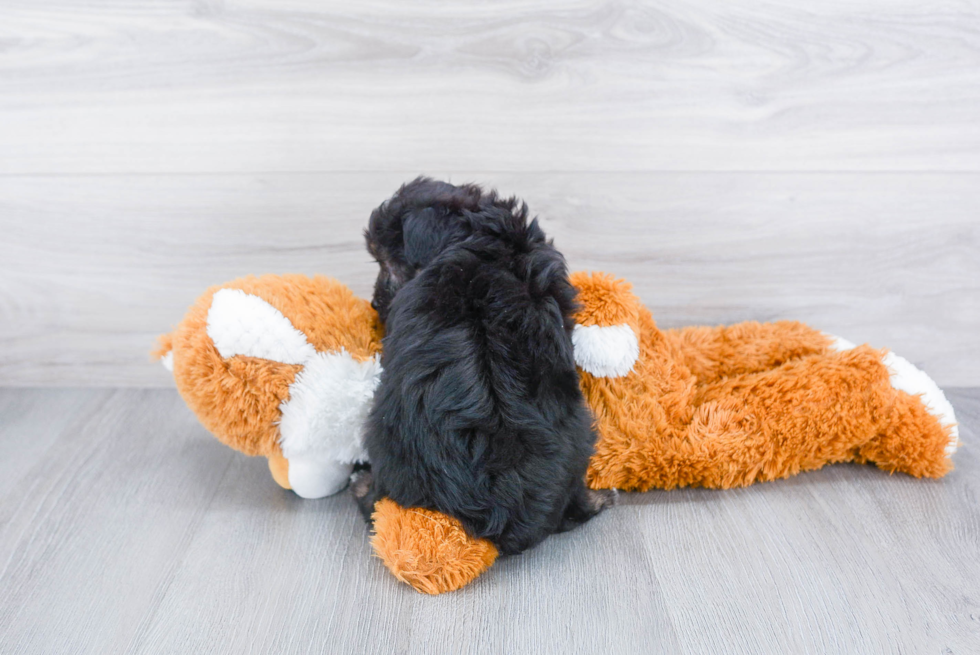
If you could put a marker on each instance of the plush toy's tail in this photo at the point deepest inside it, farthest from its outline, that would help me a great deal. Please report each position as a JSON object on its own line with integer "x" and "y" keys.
{"x": 163, "y": 353}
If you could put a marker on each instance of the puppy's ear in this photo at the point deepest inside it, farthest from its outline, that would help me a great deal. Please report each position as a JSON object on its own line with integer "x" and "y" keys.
{"x": 429, "y": 231}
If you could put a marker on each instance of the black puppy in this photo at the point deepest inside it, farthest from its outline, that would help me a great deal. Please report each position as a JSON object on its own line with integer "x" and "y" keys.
{"x": 479, "y": 414}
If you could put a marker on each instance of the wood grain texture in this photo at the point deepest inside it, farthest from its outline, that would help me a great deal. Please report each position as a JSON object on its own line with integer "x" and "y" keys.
{"x": 752, "y": 160}
{"x": 573, "y": 85}
{"x": 92, "y": 269}
{"x": 125, "y": 528}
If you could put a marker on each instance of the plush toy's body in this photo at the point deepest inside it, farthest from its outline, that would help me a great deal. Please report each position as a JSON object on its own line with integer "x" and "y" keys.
{"x": 728, "y": 406}
{"x": 286, "y": 368}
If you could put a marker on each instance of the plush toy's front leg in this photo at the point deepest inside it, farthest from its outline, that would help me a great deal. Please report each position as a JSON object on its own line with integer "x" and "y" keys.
{"x": 428, "y": 550}
{"x": 712, "y": 353}
{"x": 310, "y": 477}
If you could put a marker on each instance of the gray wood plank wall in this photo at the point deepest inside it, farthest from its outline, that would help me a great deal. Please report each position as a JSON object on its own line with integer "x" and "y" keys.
{"x": 761, "y": 161}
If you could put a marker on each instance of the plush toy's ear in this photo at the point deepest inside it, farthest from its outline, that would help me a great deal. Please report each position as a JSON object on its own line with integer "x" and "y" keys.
{"x": 606, "y": 337}
{"x": 242, "y": 324}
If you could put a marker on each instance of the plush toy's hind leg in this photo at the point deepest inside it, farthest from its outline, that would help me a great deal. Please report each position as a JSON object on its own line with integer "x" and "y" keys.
{"x": 920, "y": 434}
{"x": 913, "y": 441}
{"x": 712, "y": 353}
{"x": 797, "y": 417}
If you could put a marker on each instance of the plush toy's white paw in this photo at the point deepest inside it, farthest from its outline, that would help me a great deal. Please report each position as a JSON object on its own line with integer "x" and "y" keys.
{"x": 913, "y": 381}
{"x": 605, "y": 351}
{"x": 313, "y": 478}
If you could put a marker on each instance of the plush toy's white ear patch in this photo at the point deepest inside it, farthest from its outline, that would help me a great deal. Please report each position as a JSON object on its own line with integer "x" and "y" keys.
{"x": 327, "y": 407}
{"x": 605, "y": 351}
{"x": 168, "y": 361}
{"x": 243, "y": 324}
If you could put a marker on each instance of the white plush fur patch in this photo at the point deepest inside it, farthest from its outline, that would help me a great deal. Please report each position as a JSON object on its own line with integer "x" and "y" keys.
{"x": 168, "y": 361}
{"x": 328, "y": 404}
{"x": 904, "y": 376}
{"x": 840, "y": 345}
{"x": 242, "y": 324}
{"x": 605, "y": 351}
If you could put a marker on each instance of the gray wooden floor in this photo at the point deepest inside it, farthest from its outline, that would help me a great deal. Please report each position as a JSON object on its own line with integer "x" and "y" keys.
{"x": 125, "y": 528}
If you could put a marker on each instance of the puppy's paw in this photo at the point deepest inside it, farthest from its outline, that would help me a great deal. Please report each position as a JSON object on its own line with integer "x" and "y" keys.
{"x": 587, "y": 504}
{"x": 360, "y": 483}
{"x": 364, "y": 492}
{"x": 600, "y": 499}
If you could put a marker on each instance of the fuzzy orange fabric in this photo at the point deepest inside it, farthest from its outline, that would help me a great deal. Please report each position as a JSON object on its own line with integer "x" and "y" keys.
{"x": 605, "y": 300}
{"x": 713, "y": 353}
{"x": 428, "y": 550}
{"x": 909, "y": 441}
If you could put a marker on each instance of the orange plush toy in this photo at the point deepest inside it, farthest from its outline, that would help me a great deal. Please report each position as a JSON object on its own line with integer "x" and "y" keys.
{"x": 712, "y": 407}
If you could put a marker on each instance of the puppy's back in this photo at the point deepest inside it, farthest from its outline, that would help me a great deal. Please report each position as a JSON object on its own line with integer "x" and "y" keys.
{"x": 479, "y": 413}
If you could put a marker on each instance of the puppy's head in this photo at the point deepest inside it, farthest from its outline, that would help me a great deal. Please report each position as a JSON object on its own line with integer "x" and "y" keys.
{"x": 411, "y": 228}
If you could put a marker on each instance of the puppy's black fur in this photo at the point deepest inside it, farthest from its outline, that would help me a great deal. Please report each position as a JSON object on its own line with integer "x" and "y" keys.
{"x": 479, "y": 413}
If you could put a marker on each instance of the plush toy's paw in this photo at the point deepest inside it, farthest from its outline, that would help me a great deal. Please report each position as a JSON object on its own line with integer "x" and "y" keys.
{"x": 279, "y": 468}
{"x": 328, "y": 400}
{"x": 426, "y": 549}
{"x": 905, "y": 376}
{"x": 605, "y": 341}
{"x": 605, "y": 351}
{"x": 317, "y": 478}
{"x": 310, "y": 478}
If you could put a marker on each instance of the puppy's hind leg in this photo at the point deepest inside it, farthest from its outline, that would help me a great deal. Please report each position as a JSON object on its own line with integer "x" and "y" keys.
{"x": 365, "y": 492}
{"x": 585, "y": 504}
